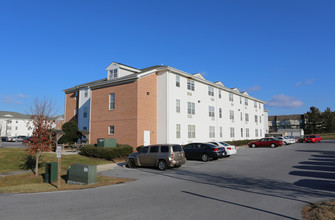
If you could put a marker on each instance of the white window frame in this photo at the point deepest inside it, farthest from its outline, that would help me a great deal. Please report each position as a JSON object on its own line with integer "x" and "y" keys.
{"x": 231, "y": 97}
{"x": 210, "y": 90}
{"x": 256, "y": 119}
{"x": 246, "y": 101}
{"x": 231, "y": 114}
{"x": 178, "y": 134}
{"x": 211, "y": 111}
{"x": 256, "y": 132}
{"x": 219, "y": 94}
{"x": 177, "y": 81}
{"x": 191, "y": 108}
{"x": 111, "y": 130}
{"x": 112, "y": 101}
{"x": 191, "y": 131}
{"x": 221, "y": 134}
{"x": 241, "y": 132}
{"x": 177, "y": 105}
{"x": 232, "y": 132}
{"x": 211, "y": 131}
{"x": 247, "y": 132}
{"x": 246, "y": 117}
{"x": 190, "y": 84}
{"x": 220, "y": 112}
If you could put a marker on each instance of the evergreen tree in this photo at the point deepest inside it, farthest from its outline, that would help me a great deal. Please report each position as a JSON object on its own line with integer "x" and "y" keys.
{"x": 70, "y": 136}
{"x": 314, "y": 121}
{"x": 328, "y": 120}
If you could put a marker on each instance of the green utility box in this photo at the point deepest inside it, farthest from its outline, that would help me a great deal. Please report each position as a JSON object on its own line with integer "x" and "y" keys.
{"x": 51, "y": 172}
{"x": 106, "y": 142}
{"x": 82, "y": 174}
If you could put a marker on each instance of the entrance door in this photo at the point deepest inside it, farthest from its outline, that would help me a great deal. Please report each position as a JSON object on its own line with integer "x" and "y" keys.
{"x": 146, "y": 138}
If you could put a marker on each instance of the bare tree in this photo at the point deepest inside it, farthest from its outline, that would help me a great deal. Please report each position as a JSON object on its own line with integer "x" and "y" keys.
{"x": 41, "y": 113}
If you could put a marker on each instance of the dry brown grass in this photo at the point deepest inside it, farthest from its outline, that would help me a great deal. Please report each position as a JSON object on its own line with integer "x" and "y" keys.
{"x": 319, "y": 211}
{"x": 28, "y": 183}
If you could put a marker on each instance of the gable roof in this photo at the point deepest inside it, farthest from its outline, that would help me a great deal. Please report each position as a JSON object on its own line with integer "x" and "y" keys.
{"x": 13, "y": 115}
{"x": 198, "y": 75}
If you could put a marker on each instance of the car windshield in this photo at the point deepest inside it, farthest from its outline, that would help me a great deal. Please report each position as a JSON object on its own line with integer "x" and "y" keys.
{"x": 177, "y": 148}
{"x": 224, "y": 143}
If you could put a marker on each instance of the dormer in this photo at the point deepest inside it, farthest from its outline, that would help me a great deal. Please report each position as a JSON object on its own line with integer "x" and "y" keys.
{"x": 219, "y": 84}
{"x": 235, "y": 89}
{"x": 245, "y": 93}
{"x": 118, "y": 70}
{"x": 198, "y": 75}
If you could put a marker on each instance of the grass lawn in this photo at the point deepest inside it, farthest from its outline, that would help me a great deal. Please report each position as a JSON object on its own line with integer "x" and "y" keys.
{"x": 328, "y": 136}
{"x": 12, "y": 159}
{"x": 321, "y": 211}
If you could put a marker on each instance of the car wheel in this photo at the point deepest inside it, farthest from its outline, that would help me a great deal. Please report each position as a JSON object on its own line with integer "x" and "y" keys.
{"x": 131, "y": 163}
{"x": 253, "y": 145}
{"x": 272, "y": 145}
{"x": 204, "y": 157}
{"x": 162, "y": 165}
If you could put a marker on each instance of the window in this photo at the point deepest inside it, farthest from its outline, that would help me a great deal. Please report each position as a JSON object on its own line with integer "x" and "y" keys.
{"x": 231, "y": 114}
{"x": 17, "y": 122}
{"x": 177, "y": 81}
{"x": 177, "y": 105}
{"x": 111, "y": 129}
{"x": 241, "y": 116}
{"x": 211, "y": 111}
{"x": 246, "y": 117}
{"x": 232, "y": 132}
{"x": 246, "y": 101}
{"x": 85, "y": 112}
{"x": 220, "y": 112}
{"x": 210, "y": 91}
{"x": 115, "y": 73}
{"x": 154, "y": 149}
{"x": 16, "y": 128}
{"x": 260, "y": 132}
{"x": 231, "y": 97}
{"x": 241, "y": 132}
{"x": 144, "y": 150}
{"x": 260, "y": 119}
{"x": 256, "y": 119}
{"x": 112, "y": 101}
{"x": 241, "y": 100}
{"x": 177, "y": 130}
{"x": 211, "y": 131}
{"x": 164, "y": 149}
{"x": 190, "y": 108}
{"x": 255, "y": 104}
{"x": 86, "y": 92}
{"x": 259, "y": 105}
{"x": 219, "y": 94}
{"x": 256, "y": 132}
{"x": 247, "y": 132}
{"x": 85, "y": 128}
{"x": 221, "y": 132}
{"x": 191, "y": 131}
{"x": 190, "y": 85}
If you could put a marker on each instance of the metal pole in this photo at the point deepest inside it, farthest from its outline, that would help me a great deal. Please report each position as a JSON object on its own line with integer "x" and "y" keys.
{"x": 58, "y": 173}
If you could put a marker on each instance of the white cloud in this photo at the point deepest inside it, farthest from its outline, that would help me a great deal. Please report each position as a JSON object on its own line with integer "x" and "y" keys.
{"x": 305, "y": 83}
{"x": 13, "y": 99}
{"x": 254, "y": 88}
{"x": 284, "y": 101}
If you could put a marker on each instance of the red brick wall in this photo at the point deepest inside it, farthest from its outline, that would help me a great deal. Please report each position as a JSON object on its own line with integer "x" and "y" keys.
{"x": 70, "y": 106}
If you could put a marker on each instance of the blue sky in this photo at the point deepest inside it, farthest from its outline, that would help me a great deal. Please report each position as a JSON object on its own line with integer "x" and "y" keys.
{"x": 279, "y": 51}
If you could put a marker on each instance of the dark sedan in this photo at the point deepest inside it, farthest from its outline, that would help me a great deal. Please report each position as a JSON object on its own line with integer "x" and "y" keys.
{"x": 266, "y": 142}
{"x": 203, "y": 151}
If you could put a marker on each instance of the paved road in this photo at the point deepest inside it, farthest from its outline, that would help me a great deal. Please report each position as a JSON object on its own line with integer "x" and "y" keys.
{"x": 257, "y": 183}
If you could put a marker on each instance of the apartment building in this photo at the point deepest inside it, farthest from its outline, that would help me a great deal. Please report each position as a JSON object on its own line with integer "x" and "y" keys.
{"x": 14, "y": 124}
{"x": 161, "y": 104}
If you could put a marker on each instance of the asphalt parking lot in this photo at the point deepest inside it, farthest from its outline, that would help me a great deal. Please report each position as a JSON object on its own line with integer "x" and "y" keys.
{"x": 261, "y": 183}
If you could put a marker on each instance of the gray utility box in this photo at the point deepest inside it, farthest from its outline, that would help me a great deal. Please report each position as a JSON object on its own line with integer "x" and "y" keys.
{"x": 82, "y": 174}
{"x": 106, "y": 142}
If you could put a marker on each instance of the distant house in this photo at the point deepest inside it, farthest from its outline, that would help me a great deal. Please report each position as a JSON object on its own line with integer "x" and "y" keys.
{"x": 59, "y": 121}
{"x": 14, "y": 124}
{"x": 280, "y": 122}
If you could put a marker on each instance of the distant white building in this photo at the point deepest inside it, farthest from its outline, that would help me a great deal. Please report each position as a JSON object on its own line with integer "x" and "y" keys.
{"x": 15, "y": 124}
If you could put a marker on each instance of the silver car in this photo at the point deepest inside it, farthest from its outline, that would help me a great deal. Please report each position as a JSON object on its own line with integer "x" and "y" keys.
{"x": 161, "y": 156}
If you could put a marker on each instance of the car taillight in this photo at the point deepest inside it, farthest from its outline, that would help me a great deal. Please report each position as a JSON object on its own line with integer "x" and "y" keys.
{"x": 229, "y": 148}
{"x": 216, "y": 150}
{"x": 171, "y": 156}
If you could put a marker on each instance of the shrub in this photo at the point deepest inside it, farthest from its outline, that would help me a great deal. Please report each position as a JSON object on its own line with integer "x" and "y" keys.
{"x": 239, "y": 142}
{"x": 121, "y": 150}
